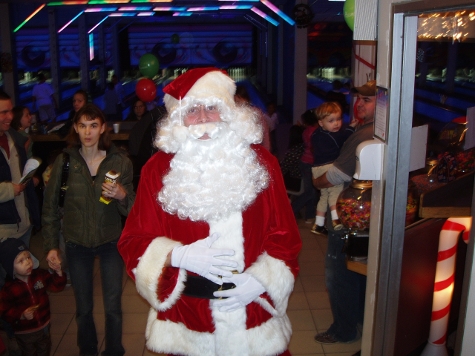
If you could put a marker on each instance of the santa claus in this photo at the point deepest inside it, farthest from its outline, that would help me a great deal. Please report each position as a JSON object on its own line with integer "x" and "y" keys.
{"x": 211, "y": 240}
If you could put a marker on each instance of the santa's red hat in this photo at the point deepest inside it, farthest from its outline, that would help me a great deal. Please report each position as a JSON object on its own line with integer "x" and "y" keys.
{"x": 200, "y": 84}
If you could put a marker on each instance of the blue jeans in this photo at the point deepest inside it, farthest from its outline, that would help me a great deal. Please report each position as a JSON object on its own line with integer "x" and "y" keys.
{"x": 346, "y": 290}
{"x": 81, "y": 263}
{"x": 307, "y": 198}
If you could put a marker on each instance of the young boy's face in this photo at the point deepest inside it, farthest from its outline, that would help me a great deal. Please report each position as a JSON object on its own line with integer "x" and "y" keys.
{"x": 23, "y": 264}
{"x": 331, "y": 122}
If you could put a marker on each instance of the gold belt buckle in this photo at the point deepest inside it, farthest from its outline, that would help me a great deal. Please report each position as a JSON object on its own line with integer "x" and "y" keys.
{"x": 221, "y": 286}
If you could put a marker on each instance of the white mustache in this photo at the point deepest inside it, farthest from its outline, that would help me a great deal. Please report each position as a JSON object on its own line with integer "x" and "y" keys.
{"x": 211, "y": 128}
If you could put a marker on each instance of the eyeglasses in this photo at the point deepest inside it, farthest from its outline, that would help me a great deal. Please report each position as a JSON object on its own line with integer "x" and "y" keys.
{"x": 195, "y": 110}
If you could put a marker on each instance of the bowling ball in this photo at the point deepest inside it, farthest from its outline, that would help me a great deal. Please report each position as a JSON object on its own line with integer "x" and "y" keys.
{"x": 146, "y": 90}
{"x": 148, "y": 65}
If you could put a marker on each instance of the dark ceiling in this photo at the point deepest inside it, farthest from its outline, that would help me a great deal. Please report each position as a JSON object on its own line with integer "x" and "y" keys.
{"x": 322, "y": 10}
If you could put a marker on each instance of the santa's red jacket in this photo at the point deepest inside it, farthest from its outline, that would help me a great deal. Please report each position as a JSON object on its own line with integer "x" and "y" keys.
{"x": 265, "y": 236}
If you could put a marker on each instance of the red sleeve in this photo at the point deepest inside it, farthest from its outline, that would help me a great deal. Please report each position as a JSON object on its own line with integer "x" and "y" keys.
{"x": 271, "y": 216}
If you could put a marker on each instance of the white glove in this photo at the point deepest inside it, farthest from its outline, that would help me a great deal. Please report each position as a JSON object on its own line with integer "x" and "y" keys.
{"x": 247, "y": 289}
{"x": 200, "y": 258}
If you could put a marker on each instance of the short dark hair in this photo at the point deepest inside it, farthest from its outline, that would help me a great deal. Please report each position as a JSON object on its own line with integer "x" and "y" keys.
{"x": 89, "y": 112}
{"x": 242, "y": 92}
{"x": 4, "y": 96}
{"x": 17, "y": 115}
{"x": 309, "y": 118}
{"x": 83, "y": 93}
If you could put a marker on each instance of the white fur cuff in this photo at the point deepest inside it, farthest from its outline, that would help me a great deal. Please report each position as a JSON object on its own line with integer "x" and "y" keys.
{"x": 276, "y": 278}
{"x": 149, "y": 269}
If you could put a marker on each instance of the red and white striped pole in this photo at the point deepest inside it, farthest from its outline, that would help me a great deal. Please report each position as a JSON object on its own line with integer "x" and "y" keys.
{"x": 444, "y": 283}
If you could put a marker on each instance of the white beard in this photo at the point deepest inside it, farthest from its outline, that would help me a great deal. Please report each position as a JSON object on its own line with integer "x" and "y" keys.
{"x": 210, "y": 179}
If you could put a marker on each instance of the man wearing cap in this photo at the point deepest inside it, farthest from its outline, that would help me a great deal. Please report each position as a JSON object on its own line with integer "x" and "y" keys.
{"x": 19, "y": 208}
{"x": 211, "y": 240}
{"x": 346, "y": 289}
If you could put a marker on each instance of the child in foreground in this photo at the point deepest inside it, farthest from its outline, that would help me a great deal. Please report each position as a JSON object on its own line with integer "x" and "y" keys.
{"x": 327, "y": 141}
{"x": 24, "y": 302}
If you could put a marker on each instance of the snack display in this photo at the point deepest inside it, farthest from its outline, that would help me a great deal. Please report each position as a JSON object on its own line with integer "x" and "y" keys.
{"x": 354, "y": 205}
{"x": 110, "y": 177}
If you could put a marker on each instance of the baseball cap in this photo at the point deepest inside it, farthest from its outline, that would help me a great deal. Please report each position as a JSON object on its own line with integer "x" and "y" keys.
{"x": 9, "y": 249}
{"x": 368, "y": 89}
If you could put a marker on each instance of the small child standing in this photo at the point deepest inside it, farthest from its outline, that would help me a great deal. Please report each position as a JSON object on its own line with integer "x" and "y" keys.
{"x": 24, "y": 301}
{"x": 327, "y": 141}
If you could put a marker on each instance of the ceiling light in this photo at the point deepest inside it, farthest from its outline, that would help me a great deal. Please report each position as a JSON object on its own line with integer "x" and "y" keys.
{"x": 135, "y": 1}
{"x": 264, "y": 16}
{"x": 96, "y": 2}
{"x": 203, "y": 8}
{"x": 93, "y": 28}
{"x": 169, "y": 8}
{"x": 235, "y": 7}
{"x": 76, "y": 2}
{"x": 69, "y": 23}
{"x": 101, "y": 9}
{"x": 135, "y": 8}
{"x": 122, "y": 14}
{"x": 29, "y": 18}
{"x": 278, "y": 12}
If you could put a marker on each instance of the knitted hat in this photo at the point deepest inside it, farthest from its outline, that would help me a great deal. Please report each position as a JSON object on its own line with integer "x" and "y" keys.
{"x": 200, "y": 84}
{"x": 368, "y": 89}
{"x": 9, "y": 249}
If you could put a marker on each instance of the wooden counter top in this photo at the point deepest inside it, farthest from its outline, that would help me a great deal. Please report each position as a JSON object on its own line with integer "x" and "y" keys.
{"x": 357, "y": 266}
{"x": 450, "y": 200}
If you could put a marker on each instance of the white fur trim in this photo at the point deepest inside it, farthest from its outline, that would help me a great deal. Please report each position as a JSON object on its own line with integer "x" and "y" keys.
{"x": 230, "y": 232}
{"x": 276, "y": 278}
{"x": 269, "y": 338}
{"x": 213, "y": 84}
{"x": 149, "y": 269}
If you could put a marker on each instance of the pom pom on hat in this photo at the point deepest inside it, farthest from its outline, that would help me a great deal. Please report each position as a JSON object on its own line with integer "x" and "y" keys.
{"x": 200, "y": 83}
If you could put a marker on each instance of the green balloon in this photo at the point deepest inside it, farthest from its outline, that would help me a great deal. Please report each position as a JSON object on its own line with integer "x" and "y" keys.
{"x": 349, "y": 13}
{"x": 148, "y": 65}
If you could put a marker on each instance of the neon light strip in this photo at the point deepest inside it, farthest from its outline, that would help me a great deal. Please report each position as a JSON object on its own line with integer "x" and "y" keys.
{"x": 29, "y": 17}
{"x": 170, "y": 8}
{"x": 203, "y": 8}
{"x": 101, "y": 9}
{"x": 134, "y": 1}
{"x": 182, "y": 14}
{"x": 146, "y": 13}
{"x": 264, "y": 16}
{"x": 92, "y": 29}
{"x": 241, "y": 0}
{"x": 101, "y": 2}
{"x": 60, "y": 3}
{"x": 91, "y": 46}
{"x": 135, "y": 8}
{"x": 62, "y": 28}
{"x": 235, "y": 7}
{"x": 122, "y": 14}
{"x": 278, "y": 12}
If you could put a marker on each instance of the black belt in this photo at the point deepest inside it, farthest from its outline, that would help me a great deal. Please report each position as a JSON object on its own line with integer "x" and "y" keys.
{"x": 200, "y": 287}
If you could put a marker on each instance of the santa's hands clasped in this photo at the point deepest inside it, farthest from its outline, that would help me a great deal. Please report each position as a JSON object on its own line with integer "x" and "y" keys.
{"x": 247, "y": 289}
{"x": 200, "y": 258}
